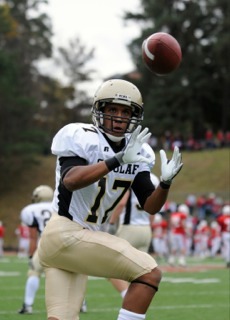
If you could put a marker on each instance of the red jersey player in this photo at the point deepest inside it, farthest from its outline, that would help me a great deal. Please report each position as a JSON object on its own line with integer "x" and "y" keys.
{"x": 160, "y": 236}
{"x": 224, "y": 221}
{"x": 178, "y": 235}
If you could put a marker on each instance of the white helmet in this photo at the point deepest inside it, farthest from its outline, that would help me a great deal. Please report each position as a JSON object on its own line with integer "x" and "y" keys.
{"x": 214, "y": 225}
{"x": 42, "y": 193}
{"x": 183, "y": 208}
{"x": 226, "y": 210}
{"x": 120, "y": 92}
{"x": 202, "y": 224}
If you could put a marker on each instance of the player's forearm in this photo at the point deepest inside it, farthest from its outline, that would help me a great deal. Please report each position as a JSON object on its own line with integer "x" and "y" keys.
{"x": 82, "y": 176}
{"x": 116, "y": 213}
{"x": 156, "y": 200}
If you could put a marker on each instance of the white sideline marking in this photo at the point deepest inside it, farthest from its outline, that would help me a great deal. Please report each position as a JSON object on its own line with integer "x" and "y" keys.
{"x": 9, "y": 273}
{"x": 5, "y": 260}
{"x": 178, "y": 280}
{"x": 165, "y": 279}
{"x": 190, "y": 280}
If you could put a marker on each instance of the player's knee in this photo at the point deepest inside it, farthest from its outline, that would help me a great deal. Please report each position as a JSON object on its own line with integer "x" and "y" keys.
{"x": 155, "y": 276}
{"x": 152, "y": 278}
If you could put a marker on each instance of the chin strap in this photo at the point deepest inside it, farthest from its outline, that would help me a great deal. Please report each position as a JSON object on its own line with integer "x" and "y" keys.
{"x": 147, "y": 284}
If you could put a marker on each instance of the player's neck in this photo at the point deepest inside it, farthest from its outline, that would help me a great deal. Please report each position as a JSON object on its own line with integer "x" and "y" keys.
{"x": 116, "y": 146}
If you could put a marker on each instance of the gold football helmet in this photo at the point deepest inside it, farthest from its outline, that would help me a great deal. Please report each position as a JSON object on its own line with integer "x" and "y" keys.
{"x": 118, "y": 92}
{"x": 42, "y": 193}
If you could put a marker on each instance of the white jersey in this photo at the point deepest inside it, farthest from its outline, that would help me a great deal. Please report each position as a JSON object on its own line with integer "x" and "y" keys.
{"x": 92, "y": 205}
{"x": 37, "y": 215}
{"x": 133, "y": 213}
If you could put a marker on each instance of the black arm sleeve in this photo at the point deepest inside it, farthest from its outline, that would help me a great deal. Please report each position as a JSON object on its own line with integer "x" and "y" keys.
{"x": 67, "y": 163}
{"x": 142, "y": 186}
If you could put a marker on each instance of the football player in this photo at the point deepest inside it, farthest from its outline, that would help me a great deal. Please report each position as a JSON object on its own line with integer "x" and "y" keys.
{"x": 160, "y": 236}
{"x": 35, "y": 216}
{"x": 177, "y": 235}
{"x": 224, "y": 221}
{"x": 2, "y": 235}
{"x": 96, "y": 164}
{"x": 215, "y": 238}
{"x": 23, "y": 234}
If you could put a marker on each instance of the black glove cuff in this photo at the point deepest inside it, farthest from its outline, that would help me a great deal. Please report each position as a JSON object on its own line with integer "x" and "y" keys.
{"x": 164, "y": 185}
{"x": 112, "y": 163}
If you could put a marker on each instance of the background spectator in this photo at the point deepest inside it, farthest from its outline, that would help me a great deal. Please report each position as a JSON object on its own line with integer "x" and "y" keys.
{"x": 23, "y": 234}
{"x": 2, "y": 234}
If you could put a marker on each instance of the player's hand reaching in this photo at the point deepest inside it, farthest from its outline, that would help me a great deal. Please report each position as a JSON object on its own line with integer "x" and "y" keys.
{"x": 132, "y": 151}
{"x": 170, "y": 168}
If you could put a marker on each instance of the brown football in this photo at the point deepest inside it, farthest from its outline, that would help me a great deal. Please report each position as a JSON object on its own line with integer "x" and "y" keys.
{"x": 161, "y": 53}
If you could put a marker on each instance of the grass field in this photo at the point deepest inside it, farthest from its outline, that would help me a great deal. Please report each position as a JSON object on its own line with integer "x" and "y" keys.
{"x": 198, "y": 292}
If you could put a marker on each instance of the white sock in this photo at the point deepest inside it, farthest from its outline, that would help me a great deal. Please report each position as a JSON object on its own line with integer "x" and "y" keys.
{"x": 32, "y": 286}
{"x": 128, "y": 315}
{"x": 123, "y": 293}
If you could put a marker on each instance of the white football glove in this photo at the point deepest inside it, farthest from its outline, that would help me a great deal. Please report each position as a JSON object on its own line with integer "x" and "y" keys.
{"x": 170, "y": 168}
{"x": 132, "y": 151}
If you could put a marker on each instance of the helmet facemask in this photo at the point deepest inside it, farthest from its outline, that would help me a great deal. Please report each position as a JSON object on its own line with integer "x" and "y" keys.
{"x": 99, "y": 116}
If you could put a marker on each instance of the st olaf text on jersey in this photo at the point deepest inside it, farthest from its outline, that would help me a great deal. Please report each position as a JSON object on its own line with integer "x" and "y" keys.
{"x": 125, "y": 169}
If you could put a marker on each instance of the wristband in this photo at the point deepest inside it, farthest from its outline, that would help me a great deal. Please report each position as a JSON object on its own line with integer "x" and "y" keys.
{"x": 112, "y": 163}
{"x": 164, "y": 185}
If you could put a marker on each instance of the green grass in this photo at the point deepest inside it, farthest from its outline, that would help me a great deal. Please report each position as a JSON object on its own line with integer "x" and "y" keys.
{"x": 200, "y": 295}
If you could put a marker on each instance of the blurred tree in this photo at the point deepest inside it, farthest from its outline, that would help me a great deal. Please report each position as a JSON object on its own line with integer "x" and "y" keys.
{"x": 32, "y": 106}
{"x": 195, "y": 96}
{"x": 74, "y": 59}
{"x": 24, "y": 37}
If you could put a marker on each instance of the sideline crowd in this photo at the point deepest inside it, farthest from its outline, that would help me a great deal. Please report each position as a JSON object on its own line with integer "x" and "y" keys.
{"x": 200, "y": 227}
{"x": 211, "y": 140}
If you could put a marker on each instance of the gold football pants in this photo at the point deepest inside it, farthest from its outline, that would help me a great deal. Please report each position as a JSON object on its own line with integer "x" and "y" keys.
{"x": 69, "y": 253}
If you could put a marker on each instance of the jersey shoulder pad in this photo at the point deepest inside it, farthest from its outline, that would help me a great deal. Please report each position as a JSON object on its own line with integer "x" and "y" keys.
{"x": 26, "y": 215}
{"x": 74, "y": 139}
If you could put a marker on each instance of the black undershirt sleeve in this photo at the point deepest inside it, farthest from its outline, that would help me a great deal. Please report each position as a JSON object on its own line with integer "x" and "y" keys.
{"x": 142, "y": 186}
{"x": 67, "y": 163}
